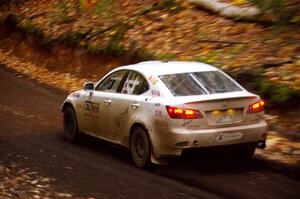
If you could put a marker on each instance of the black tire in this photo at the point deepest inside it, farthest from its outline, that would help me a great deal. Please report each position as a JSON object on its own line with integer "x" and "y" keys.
{"x": 70, "y": 124}
{"x": 140, "y": 148}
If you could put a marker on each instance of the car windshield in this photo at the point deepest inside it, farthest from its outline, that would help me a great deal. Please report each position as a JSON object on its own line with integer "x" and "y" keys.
{"x": 199, "y": 83}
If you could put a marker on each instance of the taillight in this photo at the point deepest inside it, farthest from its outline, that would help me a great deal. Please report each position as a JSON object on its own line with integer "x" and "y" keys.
{"x": 179, "y": 113}
{"x": 256, "y": 107}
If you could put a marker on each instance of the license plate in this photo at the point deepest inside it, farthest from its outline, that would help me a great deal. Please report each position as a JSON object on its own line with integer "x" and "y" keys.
{"x": 226, "y": 116}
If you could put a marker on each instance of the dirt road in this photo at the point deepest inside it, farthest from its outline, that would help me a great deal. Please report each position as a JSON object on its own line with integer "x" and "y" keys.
{"x": 31, "y": 139}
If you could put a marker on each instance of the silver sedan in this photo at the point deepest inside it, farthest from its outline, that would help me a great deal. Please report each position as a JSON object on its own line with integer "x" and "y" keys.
{"x": 159, "y": 109}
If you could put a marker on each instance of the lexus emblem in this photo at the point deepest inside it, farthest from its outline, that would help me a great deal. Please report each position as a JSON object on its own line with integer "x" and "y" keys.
{"x": 225, "y": 104}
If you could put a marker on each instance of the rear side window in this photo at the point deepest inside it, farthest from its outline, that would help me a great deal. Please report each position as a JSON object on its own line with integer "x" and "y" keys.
{"x": 135, "y": 84}
{"x": 199, "y": 83}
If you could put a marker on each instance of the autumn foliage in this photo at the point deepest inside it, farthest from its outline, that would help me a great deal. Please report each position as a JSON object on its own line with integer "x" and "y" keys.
{"x": 171, "y": 30}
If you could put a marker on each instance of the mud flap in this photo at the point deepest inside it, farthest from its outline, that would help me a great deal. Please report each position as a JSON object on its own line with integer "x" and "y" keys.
{"x": 159, "y": 161}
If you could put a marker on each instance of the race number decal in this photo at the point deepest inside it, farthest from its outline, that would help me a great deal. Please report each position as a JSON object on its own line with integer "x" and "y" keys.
{"x": 91, "y": 108}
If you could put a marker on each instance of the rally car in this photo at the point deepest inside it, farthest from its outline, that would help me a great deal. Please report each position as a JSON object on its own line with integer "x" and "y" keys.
{"x": 159, "y": 109}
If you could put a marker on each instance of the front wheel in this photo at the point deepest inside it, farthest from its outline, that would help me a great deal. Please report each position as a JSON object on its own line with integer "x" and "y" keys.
{"x": 140, "y": 148}
{"x": 70, "y": 124}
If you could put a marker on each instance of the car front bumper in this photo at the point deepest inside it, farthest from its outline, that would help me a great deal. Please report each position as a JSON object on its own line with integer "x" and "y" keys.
{"x": 168, "y": 142}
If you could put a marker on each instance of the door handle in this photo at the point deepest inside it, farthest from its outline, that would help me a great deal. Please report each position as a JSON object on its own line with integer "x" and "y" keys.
{"x": 107, "y": 102}
{"x": 135, "y": 106}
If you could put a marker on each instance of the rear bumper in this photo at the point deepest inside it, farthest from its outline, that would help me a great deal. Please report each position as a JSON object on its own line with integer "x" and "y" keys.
{"x": 171, "y": 142}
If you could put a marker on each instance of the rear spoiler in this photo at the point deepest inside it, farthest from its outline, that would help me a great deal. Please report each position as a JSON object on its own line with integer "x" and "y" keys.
{"x": 220, "y": 99}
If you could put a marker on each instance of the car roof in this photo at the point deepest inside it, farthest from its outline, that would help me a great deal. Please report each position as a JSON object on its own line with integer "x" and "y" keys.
{"x": 168, "y": 67}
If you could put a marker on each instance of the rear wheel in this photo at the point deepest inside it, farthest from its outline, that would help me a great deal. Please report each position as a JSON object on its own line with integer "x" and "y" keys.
{"x": 140, "y": 147}
{"x": 70, "y": 124}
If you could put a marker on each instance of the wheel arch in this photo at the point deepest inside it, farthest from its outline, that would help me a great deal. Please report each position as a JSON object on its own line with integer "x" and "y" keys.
{"x": 70, "y": 104}
{"x": 153, "y": 158}
{"x": 65, "y": 105}
{"x": 135, "y": 125}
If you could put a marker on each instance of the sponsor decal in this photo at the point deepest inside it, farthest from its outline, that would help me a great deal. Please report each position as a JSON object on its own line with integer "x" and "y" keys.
{"x": 186, "y": 122}
{"x": 194, "y": 126}
{"x": 225, "y": 137}
{"x": 219, "y": 137}
{"x": 158, "y": 113}
{"x": 121, "y": 116}
{"x": 153, "y": 80}
{"x": 155, "y": 93}
{"x": 75, "y": 94}
{"x": 91, "y": 108}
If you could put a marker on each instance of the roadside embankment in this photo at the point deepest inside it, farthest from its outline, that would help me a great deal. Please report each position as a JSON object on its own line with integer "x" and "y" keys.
{"x": 264, "y": 58}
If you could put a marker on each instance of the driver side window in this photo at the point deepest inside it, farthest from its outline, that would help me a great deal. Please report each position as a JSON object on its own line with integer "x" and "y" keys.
{"x": 112, "y": 82}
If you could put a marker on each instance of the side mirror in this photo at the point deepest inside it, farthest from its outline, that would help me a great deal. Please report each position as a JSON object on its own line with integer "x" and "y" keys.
{"x": 88, "y": 86}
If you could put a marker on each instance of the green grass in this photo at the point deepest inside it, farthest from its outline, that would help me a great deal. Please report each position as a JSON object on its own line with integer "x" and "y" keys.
{"x": 277, "y": 95}
{"x": 209, "y": 58}
{"x": 113, "y": 46}
{"x": 167, "y": 56}
{"x": 102, "y": 6}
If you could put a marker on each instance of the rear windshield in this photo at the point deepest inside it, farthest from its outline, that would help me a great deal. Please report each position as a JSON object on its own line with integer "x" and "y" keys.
{"x": 199, "y": 83}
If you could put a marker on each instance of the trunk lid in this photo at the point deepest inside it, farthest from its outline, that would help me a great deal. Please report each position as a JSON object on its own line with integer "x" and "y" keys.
{"x": 220, "y": 110}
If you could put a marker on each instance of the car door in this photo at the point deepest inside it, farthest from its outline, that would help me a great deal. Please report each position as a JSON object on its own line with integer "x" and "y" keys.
{"x": 128, "y": 105}
{"x": 98, "y": 105}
